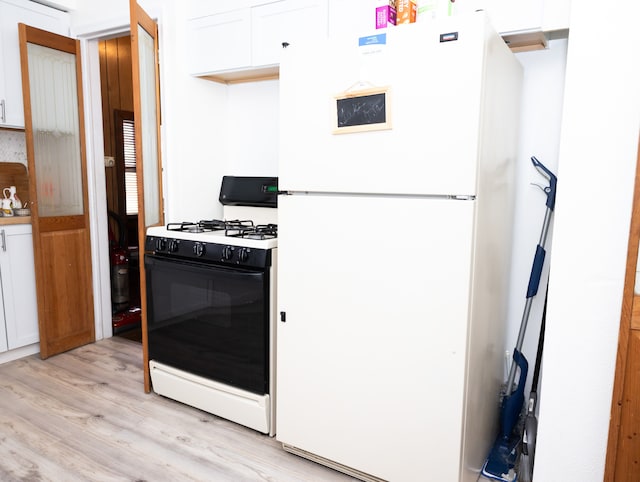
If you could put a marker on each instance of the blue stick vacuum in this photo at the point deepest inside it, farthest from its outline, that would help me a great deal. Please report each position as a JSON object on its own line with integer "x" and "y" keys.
{"x": 504, "y": 453}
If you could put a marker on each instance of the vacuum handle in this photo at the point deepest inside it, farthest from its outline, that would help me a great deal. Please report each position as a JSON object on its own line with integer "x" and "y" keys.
{"x": 536, "y": 272}
{"x": 550, "y": 190}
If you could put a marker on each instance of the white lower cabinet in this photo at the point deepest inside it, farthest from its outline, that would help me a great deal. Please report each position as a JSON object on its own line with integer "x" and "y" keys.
{"x": 18, "y": 283}
{"x": 33, "y": 14}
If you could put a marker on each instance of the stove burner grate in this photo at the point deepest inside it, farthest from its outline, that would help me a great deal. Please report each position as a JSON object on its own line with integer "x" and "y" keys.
{"x": 261, "y": 231}
{"x": 186, "y": 227}
{"x": 233, "y": 228}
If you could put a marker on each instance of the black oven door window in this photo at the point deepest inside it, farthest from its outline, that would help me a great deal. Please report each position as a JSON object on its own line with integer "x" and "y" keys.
{"x": 210, "y": 321}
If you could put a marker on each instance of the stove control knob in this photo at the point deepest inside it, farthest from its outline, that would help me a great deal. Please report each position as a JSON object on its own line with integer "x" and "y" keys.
{"x": 161, "y": 244}
{"x": 199, "y": 249}
{"x": 174, "y": 244}
{"x": 227, "y": 252}
{"x": 243, "y": 255}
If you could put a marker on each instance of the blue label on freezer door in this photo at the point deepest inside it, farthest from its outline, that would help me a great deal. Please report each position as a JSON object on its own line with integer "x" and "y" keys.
{"x": 379, "y": 39}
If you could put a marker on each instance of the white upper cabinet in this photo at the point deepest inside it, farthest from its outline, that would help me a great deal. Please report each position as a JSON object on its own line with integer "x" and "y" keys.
{"x": 510, "y": 16}
{"x": 287, "y": 22}
{"x": 220, "y": 42}
{"x": 246, "y": 42}
{"x": 13, "y": 12}
{"x": 555, "y": 15}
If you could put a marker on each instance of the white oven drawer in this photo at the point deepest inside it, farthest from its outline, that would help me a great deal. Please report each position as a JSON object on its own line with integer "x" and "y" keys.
{"x": 240, "y": 406}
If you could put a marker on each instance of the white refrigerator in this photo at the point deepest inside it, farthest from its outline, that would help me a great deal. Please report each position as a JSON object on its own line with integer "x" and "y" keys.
{"x": 394, "y": 229}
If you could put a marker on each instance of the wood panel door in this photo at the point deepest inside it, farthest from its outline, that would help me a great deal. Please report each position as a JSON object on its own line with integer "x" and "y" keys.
{"x": 54, "y": 126}
{"x": 146, "y": 108}
{"x": 623, "y": 451}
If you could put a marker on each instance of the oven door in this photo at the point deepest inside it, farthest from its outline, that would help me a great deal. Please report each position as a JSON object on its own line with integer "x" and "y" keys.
{"x": 209, "y": 320}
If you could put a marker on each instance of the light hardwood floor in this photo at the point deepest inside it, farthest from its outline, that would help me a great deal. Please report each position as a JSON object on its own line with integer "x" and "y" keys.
{"x": 83, "y": 415}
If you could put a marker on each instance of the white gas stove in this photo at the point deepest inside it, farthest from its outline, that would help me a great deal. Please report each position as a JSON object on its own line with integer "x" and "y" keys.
{"x": 232, "y": 231}
{"x": 211, "y": 309}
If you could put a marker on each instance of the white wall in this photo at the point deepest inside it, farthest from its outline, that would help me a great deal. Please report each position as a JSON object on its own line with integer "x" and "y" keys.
{"x": 601, "y": 120}
{"x": 252, "y": 119}
{"x": 90, "y": 14}
{"x": 541, "y": 116}
{"x": 208, "y": 129}
{"x": 194, "y": 128}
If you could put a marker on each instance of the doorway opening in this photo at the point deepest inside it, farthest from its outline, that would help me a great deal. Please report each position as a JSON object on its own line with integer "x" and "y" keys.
{"x": 121, "y": 184}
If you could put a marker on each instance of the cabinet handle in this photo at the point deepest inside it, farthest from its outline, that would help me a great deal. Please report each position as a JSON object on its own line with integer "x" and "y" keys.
{"x": 3, "y": 115}
{"x": 4, "y": 241}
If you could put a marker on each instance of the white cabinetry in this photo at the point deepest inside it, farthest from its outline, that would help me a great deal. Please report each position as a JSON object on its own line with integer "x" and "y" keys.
{"x": 528, "y": 15}
{"x": 18, "y": 283}
{"x": 13, "y": 12}
{"x": 245, "y": 43}
{"x": 288, "y": 21}
{"x": 220, "y": 42}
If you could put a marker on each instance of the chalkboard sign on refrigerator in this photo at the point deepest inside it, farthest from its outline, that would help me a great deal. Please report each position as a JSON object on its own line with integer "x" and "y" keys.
{"x": 362, "y": 110}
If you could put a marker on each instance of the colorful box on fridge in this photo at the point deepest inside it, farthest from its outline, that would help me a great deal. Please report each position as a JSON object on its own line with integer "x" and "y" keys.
{"x": 406, "y": 11}
{"x": 386, "y": 15}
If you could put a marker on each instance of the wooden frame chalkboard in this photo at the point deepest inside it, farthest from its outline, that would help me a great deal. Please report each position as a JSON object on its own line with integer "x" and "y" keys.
{"x": 362, "y": 110}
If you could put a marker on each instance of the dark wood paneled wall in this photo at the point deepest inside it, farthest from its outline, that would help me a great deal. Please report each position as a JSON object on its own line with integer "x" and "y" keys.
{"x": 117, "y": 94}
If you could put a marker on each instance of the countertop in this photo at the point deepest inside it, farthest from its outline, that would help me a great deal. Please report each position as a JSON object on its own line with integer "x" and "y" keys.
{"x": 14, "y": 220}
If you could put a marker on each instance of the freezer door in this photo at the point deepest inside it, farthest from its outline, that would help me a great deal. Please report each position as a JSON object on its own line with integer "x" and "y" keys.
{"x": 374, "y": 295}
{"x": 433, "y": 108}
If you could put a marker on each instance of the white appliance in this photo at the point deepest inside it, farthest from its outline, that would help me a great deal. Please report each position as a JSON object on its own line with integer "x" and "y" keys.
{"x": 394, "y": 249}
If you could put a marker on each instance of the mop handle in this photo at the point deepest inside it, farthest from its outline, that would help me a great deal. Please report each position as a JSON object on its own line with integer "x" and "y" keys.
{"x": 538, "y": 263}
{"x": 550, "y": 190}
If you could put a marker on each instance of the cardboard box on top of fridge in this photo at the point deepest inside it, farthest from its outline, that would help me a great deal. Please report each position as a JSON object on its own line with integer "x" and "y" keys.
{"x": 386, "y": 14}
{"x": 406, "y": 11}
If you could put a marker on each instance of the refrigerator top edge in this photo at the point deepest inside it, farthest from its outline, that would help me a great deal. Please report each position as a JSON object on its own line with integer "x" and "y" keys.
{"x": 445, "y": 26}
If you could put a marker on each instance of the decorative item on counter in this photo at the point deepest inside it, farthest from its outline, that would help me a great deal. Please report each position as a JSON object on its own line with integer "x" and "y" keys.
{"x": 386, "y": 14}
{"x": 406, "y": 11}
{"x": 7, "y": 210}
{"x": 13, "y": 197}
{"x": 23, "y": 211}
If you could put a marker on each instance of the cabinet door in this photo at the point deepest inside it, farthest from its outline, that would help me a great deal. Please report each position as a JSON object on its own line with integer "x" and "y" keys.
{"x": 18, "y": 285}
{"x": 13, "y": 12}
{"x": 220, "y": 42}
{"x": 527, "y": 15}
{"x": 3, "y": 330}
{"x": 285, "y": 21}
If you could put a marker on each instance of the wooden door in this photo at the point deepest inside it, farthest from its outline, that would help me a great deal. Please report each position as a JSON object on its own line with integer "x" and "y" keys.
{"x": 146, "y": 107}
{"x": 623, "y": 451}
{"x": 54, "y": 126}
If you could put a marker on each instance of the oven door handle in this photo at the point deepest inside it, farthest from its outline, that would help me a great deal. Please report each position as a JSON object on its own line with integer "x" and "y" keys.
{"x": 152, "y": 259}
